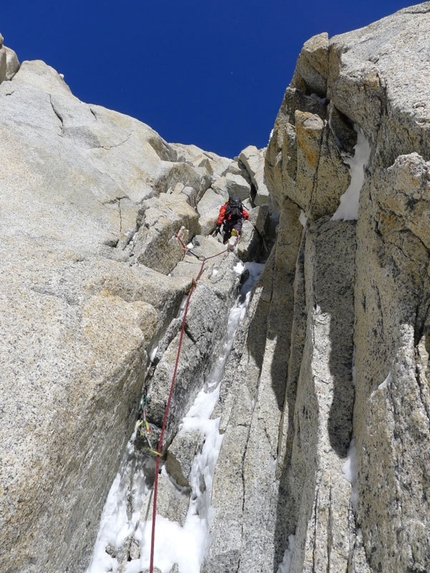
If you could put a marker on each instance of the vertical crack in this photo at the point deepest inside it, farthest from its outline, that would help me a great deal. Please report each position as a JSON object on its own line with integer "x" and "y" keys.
{"x": 421, "y": 360}
{"x": 330, "y": 528}
{"x": 117, "y": 202}
{"x": 314, "y": 556}
{"x": 242, "y": 474}
{"x": 120, "y": 215}
{"x": 57, "y": 113}
{"x": 315, "y": 179}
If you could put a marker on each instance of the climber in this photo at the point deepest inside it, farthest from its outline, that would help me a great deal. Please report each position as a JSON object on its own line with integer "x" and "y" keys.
{"x": 230, "y": 217}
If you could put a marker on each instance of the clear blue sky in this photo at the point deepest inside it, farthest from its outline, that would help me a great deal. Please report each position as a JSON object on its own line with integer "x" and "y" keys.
{"x": 208, "y": 72}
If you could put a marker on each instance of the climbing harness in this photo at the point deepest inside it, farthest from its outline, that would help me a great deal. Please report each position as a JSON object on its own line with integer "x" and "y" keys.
{"x": 159, "y": 450}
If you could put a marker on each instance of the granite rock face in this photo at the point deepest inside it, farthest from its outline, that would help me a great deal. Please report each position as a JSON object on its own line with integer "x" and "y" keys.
{"x": 9, "y": 63}
{"x": 324, "y": 407}
{"x": 92, "y": 280}
{"x": 326, "y": 404}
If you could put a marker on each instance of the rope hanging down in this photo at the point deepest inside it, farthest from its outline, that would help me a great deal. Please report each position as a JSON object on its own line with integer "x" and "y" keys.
{"x": 158, "y": 452}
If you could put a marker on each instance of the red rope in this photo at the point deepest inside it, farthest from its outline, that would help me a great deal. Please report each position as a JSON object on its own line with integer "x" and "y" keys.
{"x": 172, "y": 385}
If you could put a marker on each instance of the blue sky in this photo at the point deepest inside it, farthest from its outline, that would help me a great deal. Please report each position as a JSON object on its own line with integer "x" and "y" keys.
{"x": 208, "y": 72}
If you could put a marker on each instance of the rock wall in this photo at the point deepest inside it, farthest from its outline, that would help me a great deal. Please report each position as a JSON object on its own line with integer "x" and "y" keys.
{"x": 92, "y": 281}
{"x": 329, "y": 376}
{"x": 325, "y": 402}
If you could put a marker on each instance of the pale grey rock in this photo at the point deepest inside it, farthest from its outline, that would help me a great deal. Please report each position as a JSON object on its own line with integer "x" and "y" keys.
{"x": 209, "y": 305}
{"x": 189, "y": 192}
{"x": 235, "y": 169}
{"x": 173, "y": 172}
{"x": 245, "y": 505}
{"x": 323, "y": 400}
{"x": 312, "y": 67}
{"x": 194, "y": 155}
{"x": 37, "y": 75}
{"x": 100, "y": 138}
{"x": 252, "y": 246}
{"x": 253, "y": 161}
{"x": 350, "y": 304}
{"x": 3, "y": 64}
{"x": 234, "y": 407}
{"x": 155, "y": 244}
{"x": 392, "y": 400}
{"x": 172, "y": 501}
{"x": 308, "y": 165}
{"x": 391, "y": 282}
{"x": 342, "y": 129}
{"x": 180, "y": 457}
{"x": 260, "y": 218}
{"x": 9, "y": 63}
{"x": 204, "y": 329}
{"x": 12, "y": 63}
{"x": 208, "y": 208}
{"x": 318, "y": 161}
{"x": 225, "y": 550}
{"x": 309, "y": 128}
{"x": 235, "y": 185}
{"x": 80, "y": 314}
{"x": 200, "y": 248}
{"x": 376, "y": 61}
{"x": 335, "y": 344}
{"x": 265, "y": 224}
{"x": 403, "y": 193}
{"x": 88, "y": 328}
{"x": 281, "y": 153}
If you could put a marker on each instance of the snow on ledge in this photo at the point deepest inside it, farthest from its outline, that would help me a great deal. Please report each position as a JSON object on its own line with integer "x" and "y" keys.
{"x": 348, "y": 208}
{"x": 284, "y": 567}
{"x": 303, "y": 219}
{"x": 350, "y": 471}
{"x": 385, "y": 383}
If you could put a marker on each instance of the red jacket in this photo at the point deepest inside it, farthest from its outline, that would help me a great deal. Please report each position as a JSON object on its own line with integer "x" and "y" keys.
{"x": 221, "y": 216}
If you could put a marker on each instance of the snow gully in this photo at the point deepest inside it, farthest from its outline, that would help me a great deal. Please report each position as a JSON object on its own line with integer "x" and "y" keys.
{"x": 124, "y": 530}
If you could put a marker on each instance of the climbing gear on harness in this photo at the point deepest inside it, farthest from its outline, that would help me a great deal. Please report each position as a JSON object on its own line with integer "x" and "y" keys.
{"x": 142, "y": 425}
{"x": 192, "y": 285}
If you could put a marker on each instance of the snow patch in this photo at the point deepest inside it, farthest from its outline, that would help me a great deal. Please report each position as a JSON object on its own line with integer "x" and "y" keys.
{"x": 303, "y": 219}
{"x": 187, "y": 545}
{"x": 284, "y": 567}
{"x": 153, "y": 354}
{"x": 239, "y": 268}
{"x": 270, "y": 136}
{"x": 173, "y": 544}
{"x": 385, "y": 383}
{"x": 349, "y": 202}
{"x": 115, "y": 524}
{"x": 350, "y": 471}
{"x": 254, "y": 270}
